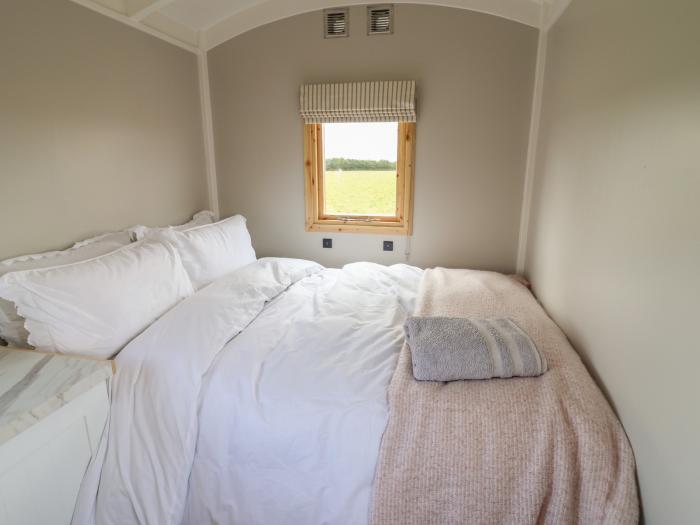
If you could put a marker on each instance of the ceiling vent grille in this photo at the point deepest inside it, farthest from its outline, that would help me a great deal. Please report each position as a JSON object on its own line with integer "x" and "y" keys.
{"x": 335, "y": 23}
{"x": 380, "y": 19}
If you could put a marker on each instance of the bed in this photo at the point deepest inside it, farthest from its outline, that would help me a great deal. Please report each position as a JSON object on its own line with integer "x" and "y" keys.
{"x": 281, "y": 392}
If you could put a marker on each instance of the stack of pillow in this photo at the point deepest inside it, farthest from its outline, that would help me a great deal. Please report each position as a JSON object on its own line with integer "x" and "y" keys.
{"x": 95, "y": 297}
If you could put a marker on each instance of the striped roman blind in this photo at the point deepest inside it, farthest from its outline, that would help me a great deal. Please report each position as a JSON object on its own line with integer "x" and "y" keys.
{"x": 387, "y": 101}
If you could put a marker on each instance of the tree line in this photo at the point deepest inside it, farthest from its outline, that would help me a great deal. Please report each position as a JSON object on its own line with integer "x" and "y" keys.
{"x": 338, "y": 164}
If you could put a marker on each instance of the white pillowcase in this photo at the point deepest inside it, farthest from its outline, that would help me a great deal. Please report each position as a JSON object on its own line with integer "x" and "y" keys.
{"x": 112, "y": 241}
{"x": 12, "y": 325}
{"x": 212, "y": 251}
{"x": 198, "y": 219}
{"x": 96, "y": 307}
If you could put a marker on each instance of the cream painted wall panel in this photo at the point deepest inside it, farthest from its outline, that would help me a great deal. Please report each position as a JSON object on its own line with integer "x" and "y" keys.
{"x": 475, "y": 75}
{"x": 614, "y": 248}
{"x": 100, "y": 127}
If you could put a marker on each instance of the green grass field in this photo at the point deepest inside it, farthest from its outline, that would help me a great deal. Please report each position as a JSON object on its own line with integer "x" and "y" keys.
{"x": 360, "y": 192}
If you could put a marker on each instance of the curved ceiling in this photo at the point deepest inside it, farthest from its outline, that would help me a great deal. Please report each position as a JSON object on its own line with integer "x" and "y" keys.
{"x": 262, "y": 12}
{"x": 199, "y": 25}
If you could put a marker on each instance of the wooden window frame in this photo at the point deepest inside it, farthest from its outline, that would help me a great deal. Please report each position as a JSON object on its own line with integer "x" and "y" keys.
{"x": 318, "y": 221}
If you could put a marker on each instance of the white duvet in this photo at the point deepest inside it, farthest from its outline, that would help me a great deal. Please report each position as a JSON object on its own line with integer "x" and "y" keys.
{"x": 261, "y": 399}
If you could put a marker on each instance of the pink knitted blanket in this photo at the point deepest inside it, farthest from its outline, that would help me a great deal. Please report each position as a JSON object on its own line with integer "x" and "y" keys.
{"x": 501, "y": 451}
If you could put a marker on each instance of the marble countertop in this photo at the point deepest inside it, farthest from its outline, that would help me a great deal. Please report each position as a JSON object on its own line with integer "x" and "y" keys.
{"x": 33, "y": 385}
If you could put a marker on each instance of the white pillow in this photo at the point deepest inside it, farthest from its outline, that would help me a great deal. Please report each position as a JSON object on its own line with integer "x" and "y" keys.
{"x": 198, "y": 219}
{"x": 114, "y": 240}
{"x": 212, "y": 251}
{"x": 95, "y": 307}
{"x": 12, "y": 325}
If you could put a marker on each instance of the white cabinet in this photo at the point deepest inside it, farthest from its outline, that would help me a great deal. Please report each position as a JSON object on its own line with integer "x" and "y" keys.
{"x": 52, "y": 413}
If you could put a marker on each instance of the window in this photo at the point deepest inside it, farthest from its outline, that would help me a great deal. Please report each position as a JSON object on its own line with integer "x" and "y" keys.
{"x": 359, "y": 143}
{"x": 359, "y": 176}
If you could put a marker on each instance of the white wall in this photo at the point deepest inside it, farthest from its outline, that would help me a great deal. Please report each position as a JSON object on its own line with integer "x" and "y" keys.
{"x": 614, "y": 246}
{"x": 100, "y": 127}
{"x": 475, "y": 76}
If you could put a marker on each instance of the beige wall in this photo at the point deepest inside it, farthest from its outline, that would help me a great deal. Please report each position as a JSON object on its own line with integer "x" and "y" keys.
{"x": 474, "y": 74}
{"x": 100, "y": 127}
{"x": 614, "y": 251}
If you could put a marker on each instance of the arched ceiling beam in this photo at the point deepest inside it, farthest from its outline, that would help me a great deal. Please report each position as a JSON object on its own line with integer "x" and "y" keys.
{"x": 524, "y": 11}
{"x": 154, "y": 18}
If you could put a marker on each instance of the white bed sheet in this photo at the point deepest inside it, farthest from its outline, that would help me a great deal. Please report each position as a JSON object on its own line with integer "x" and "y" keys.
{"x": 295, "y": 407}
{"x": 281, "y": 424}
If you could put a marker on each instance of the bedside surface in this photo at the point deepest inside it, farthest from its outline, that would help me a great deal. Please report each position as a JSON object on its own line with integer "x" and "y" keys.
{"x": 33, "y": 385}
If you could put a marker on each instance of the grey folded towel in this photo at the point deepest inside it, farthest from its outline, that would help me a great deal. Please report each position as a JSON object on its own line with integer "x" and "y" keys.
{"x": 451, "y": 349}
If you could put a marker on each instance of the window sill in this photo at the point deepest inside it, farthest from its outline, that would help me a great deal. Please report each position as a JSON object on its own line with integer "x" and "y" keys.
{"x": 339, "y": 226}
